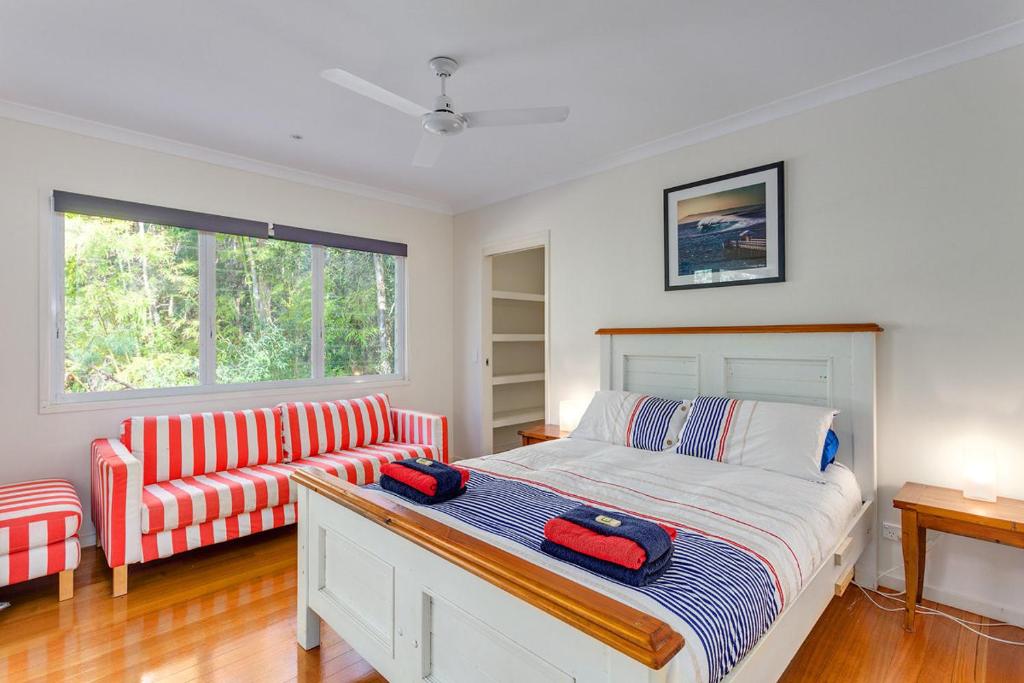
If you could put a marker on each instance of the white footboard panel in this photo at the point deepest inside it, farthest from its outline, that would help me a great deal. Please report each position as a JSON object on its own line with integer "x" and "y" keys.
{"x": 417, "y": 617}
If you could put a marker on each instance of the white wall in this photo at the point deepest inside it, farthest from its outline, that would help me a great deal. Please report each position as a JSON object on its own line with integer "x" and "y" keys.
{"x": 904, "y": 206}
{"x": 34, "y": 160}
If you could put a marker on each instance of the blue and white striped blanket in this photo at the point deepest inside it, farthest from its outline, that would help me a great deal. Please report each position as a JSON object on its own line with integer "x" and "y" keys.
{"x": 727, "y": 583}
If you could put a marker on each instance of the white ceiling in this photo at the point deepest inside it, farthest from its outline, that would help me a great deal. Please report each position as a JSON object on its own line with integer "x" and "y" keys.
{"x": 240, "y": 76}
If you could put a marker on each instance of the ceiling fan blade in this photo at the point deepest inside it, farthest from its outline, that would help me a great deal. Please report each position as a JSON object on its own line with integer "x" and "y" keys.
{"x": 428, "y": 150}
{"x": 374, "y": 92}
{"x": 516, "y": 117}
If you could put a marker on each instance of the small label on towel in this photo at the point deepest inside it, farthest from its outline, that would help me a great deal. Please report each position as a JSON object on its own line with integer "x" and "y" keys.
{"x": 425, "y": 461}
{"x": 607, "y": 521}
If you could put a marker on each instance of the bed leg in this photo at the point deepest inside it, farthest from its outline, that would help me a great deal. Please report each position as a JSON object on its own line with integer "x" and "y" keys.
{"x": 307, "y": 630}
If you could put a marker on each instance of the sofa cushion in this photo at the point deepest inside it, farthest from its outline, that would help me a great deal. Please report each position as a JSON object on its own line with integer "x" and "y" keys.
{"x": 174, "y": 446}
{"x": 34, "y": 514}
{"x": 362, "y": 465}
{"x": 194, "y": 500}
{"x": 314, "y": 428}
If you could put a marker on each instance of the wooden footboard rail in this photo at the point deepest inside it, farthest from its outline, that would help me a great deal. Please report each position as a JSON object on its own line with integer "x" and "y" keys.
{"x": 629, "y": 631}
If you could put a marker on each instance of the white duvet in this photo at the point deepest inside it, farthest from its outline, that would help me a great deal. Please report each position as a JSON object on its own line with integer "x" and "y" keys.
{"x": 793, "y": 524}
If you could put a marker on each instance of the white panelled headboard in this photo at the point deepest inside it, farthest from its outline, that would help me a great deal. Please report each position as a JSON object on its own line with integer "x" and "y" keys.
{"x": 827, "y": 365}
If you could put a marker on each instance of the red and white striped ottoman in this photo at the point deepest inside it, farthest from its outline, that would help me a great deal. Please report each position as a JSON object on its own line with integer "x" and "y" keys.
{"x": 39, "y": 522}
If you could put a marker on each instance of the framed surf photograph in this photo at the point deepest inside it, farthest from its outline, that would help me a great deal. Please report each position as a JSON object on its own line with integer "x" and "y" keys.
{"x": 727, "y": 230}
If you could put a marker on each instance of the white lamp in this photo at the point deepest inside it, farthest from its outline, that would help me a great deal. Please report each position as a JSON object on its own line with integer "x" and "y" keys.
{"x": 569, "y": 414}
{"x": 980, "y": 474}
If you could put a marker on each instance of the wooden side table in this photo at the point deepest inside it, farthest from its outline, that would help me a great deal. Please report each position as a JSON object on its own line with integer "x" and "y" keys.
{"x": 932, "y": 507}
{"x": 541, "y": 432}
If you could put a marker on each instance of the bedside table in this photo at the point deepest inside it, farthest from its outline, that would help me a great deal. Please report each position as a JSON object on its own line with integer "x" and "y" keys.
{"x": 932, "y": 507}
{"x": 541, "y": 432}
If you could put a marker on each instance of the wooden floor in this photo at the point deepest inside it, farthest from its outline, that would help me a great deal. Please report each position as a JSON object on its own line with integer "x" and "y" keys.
{"x": 227, "y": 613}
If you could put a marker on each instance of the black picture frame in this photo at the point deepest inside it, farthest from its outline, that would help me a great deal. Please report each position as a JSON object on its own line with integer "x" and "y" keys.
{"x": 779, "y": 229}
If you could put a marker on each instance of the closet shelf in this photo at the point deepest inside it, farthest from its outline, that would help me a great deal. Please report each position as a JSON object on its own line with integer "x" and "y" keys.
{"x": 518, "y": 379}
{"x": 517, "y": 296}
{"x": 507, "y": 418}
{"x": 517, "y": 337}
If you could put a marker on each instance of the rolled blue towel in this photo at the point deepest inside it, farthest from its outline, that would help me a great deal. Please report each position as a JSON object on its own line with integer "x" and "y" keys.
{"x": 648, "y": 573}
{"x": 648, "y": 535}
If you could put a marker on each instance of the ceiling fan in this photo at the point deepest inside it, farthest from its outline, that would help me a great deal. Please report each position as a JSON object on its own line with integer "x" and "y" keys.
{"x": 443, "y": 120}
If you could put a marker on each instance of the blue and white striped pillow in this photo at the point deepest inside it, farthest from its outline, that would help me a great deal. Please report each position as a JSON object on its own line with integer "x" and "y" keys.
{"x": 782, "y": 437}
{"x": 655, "y": 423}
{"x": 706, "y": 427}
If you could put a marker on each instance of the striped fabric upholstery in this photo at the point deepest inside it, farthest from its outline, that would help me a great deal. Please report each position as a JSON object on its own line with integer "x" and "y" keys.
{"x": 116, "y": 496}
{"x": 707, "y": 427}
{"x": 194, "y": 500}
{"x": 175, "y": 446}
{"x": 414, "y": 427}
{"x": 167, "y": 543}
{"x": 313, "y": 428}
{"x": 182, "y": 482}
{"x": 655, "y": 423}
{"x": 34, "y": 514}
{"x": 362, "y": 465}
{"x": 39, "y": 561}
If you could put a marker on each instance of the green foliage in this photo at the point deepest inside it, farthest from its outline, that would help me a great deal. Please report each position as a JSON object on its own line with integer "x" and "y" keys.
{"x": 132, "y": 308}
{"x": 359, "y": 313}
{"x": 264, "y": 310}
{"x": 131, "y": 305}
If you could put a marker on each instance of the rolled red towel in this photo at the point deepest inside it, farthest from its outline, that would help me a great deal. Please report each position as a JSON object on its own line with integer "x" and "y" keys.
{"x": 615, "y": 549}
{"x": 424, "y": 483}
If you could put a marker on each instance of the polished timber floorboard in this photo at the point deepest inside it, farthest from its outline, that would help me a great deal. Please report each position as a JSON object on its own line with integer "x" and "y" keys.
{"x": 227, "y": 613}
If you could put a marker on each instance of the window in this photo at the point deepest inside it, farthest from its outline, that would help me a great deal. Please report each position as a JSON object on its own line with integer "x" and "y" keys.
{"x": 131, "y": 305}
{"x": 264, "y": 310}
{"x": 152, "y": 301}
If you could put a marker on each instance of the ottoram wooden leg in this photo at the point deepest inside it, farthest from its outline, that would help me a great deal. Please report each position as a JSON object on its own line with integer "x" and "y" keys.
{"x": 912, "y": 566}
{"x": 120, "y": 580}
{"x": 67, "y": 585}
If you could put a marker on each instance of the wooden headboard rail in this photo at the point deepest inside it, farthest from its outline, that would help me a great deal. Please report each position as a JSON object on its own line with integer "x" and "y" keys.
{"x": 637, "y": 635}
{"x": 746, "y": 329}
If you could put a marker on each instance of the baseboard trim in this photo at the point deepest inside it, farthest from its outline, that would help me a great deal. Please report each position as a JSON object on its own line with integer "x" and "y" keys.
{"x": 959, "y": 600}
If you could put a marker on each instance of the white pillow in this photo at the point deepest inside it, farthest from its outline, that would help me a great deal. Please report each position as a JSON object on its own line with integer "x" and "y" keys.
{"x": 606, "y": 417}
{"x": 782, "y": 437}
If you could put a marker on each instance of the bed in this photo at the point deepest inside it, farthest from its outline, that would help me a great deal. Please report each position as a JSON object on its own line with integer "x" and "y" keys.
{"x": 459, "y": 591}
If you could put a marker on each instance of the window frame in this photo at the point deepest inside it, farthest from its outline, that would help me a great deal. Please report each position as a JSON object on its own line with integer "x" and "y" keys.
{"x": 53, "y": 398}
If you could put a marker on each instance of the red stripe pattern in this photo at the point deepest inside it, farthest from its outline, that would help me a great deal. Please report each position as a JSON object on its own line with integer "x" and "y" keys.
{"x": 414, "y": 427}
{"x": 175, "y": 446}
{"x": 116, "y": 496}
{"x": 40, "y": 561}
{"x": 362, "y": 465}
{"x": 167, "y": 543}
{"x": 34, "y": 514}
{"x": 314, "y": 428}
{"x": 178, "y": 482}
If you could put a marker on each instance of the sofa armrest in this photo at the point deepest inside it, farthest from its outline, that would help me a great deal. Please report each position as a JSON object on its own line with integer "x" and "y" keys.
{"x": 411, "y": 426}
{"x": 117, "y": 501}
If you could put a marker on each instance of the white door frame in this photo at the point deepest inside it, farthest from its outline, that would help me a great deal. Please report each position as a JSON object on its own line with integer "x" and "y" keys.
{"x": 508, "y": 246}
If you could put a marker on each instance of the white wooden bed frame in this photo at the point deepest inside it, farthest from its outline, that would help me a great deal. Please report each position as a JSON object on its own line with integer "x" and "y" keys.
{"x": 423, "y": 602}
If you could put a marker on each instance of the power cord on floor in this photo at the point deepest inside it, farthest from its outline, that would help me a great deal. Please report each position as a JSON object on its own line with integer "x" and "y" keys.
{"x": 928, "y": 611}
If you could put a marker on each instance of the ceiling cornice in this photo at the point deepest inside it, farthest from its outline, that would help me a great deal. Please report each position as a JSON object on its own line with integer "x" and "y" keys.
{"x": 980, "y": 45}
{"x": 103, "y": 131}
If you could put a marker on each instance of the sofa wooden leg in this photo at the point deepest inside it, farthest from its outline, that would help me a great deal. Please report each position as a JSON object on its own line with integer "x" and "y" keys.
{"x": 120, "y": 580}
{"x": 67, "y": 584}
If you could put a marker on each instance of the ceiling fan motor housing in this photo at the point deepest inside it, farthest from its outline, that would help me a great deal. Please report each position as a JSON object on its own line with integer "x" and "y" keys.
{"x": 443, "y": 120}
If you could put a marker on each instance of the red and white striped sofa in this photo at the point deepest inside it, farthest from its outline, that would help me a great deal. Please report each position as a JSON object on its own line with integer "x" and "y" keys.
{"x": 176, "y": 482}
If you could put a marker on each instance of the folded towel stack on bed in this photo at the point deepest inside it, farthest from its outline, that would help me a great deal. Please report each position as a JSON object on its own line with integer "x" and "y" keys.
{"x": 624, "y": 548}
{"x": 423, "y": 480}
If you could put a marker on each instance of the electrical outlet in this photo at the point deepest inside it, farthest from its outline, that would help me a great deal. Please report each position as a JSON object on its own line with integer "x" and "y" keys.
{"x": 891, "y": 531}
